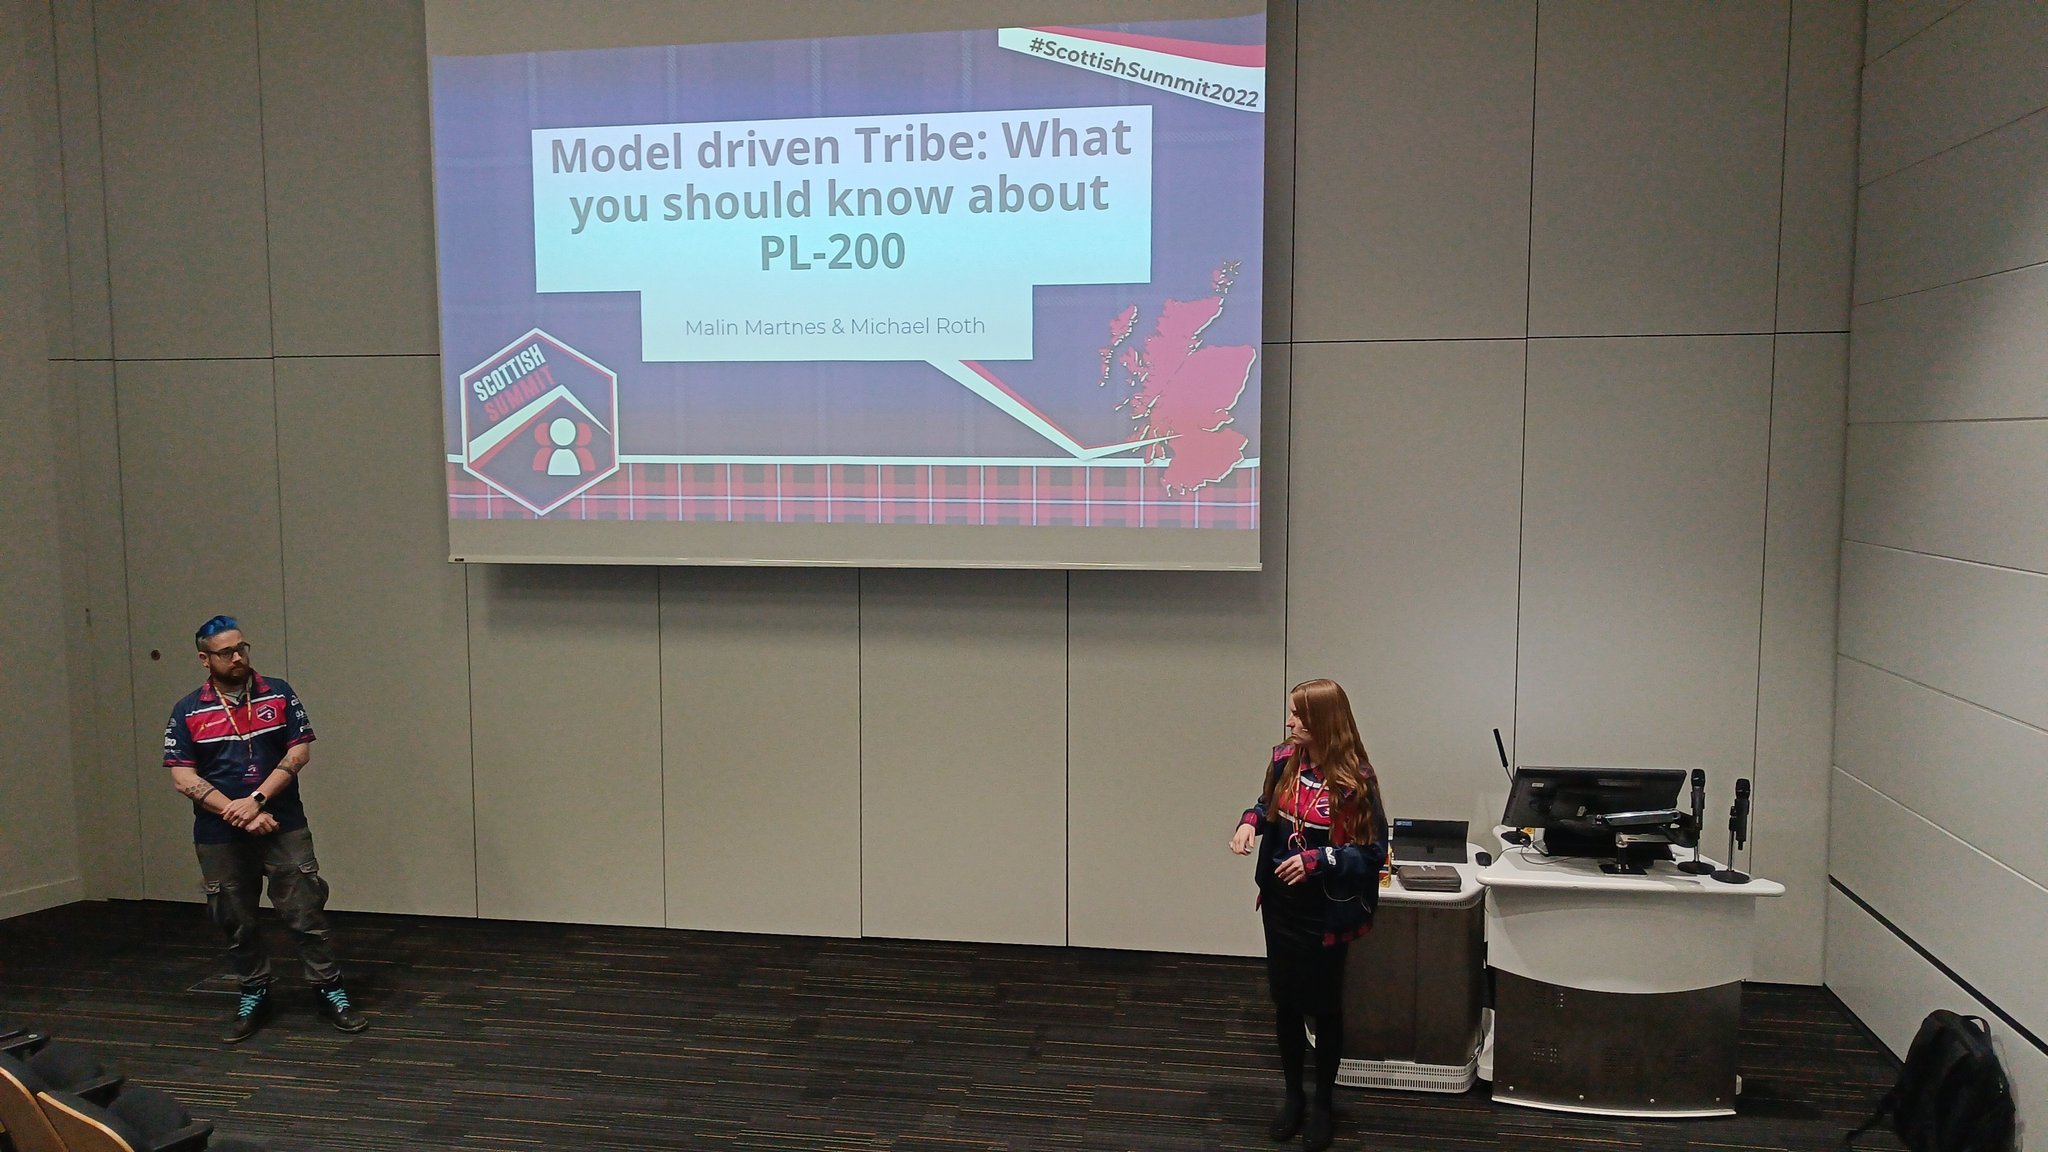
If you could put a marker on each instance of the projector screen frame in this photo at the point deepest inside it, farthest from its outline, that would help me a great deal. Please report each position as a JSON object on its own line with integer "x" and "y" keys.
{"x": 727, "y": 544}
{"x": 500, "y": 27}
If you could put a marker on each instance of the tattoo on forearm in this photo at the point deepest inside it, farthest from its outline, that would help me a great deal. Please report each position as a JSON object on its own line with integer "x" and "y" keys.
{"x": 197, "y": 789}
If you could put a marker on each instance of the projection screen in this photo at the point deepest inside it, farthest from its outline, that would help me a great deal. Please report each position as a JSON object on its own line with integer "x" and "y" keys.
{"x": 913, "y": 284}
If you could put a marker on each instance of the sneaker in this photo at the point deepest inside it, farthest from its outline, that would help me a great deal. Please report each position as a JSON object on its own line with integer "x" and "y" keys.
{"x": 250, "y": 1012}
{"x": 334, "y": 1006}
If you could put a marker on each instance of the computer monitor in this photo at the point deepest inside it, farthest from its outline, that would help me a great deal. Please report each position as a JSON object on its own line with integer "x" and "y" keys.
{"x": 1581, "y": 809}
{"x": 1427, "y": 841}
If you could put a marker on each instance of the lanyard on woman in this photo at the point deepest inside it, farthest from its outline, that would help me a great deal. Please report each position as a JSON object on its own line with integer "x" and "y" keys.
{"x": 1297, "y": 840}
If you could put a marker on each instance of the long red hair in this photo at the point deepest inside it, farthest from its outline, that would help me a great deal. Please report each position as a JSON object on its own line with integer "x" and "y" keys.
{"x": 1337, "y": 753}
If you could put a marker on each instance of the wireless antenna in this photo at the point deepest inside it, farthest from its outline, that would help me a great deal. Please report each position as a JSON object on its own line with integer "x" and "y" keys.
{"x": 1502, "y": 748}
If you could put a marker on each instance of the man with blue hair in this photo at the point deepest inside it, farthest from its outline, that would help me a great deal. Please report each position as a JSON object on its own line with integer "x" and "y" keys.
{"x": 235, "y": 748}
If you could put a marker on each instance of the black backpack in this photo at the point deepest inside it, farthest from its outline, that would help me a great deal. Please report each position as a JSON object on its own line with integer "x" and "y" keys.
{"x": 1952, "y": 1096}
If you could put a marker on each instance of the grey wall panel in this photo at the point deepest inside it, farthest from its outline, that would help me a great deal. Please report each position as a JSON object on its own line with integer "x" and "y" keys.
{"x": 1974, "y": 210}
{"x": 1893, "y": 22}
{"x": 72, "y": 551}
{"x": 382, "y": 651}
{"x": 1891, "y": 989}
{"x": 1795, "y": 678}
{"x": 30, "y": 37}
{"x": 1194, "y": 661}
{"x": 1977, "y": 350}
{"x": 1659, "y": 135}
{"x": 1413, "y": 170}
{"x": 85, "y": 217}
{"x": 1978, "y": 918}
{"x": 964, "y": 755}
{"x": 348, "y": 177}
{"x": 1972, "y": 631}
{"x": 1817, "y": 239}
{"x": 110, "y": 848}
{"x": 39, "y": 850}
{"x": 1402, "y": 588}
{"x": 1972, "y": 490}
{"x": 760, "y": 679}
{"x": 1281, "y": 78}
{"x": 181, "y": 128}
{"x": 565, "y": 707}
{"x": 1642, "y": 552}
{"x": 198, "y": 446}
{"x": 1965, "y": 769}
{"x": 1976, "y": 70}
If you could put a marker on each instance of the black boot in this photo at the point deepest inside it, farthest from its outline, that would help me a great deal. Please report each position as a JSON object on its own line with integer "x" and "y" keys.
{"x": 1321, "y": 1127}
{"x": 335, "y": 1007}
{"x": 1287, "y": 1121}
{"x": 247, "y": 1019}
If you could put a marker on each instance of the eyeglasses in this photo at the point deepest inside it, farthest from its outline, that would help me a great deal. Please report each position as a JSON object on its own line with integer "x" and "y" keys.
{"x": 241, "y": 649}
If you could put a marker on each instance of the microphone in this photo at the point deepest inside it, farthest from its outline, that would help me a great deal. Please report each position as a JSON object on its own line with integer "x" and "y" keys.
{"x": 1738, "y": 814}
{"x": 1503, "y": 750}
{"x": 1738, "y": 834}
{"x": 1694, "y": 866}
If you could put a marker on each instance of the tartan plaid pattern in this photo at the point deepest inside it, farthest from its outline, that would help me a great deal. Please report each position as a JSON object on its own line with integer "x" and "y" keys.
{"x": 988, "y": 494}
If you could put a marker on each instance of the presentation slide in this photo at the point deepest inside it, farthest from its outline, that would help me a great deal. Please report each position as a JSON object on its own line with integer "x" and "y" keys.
{"x": 966, "y": 298}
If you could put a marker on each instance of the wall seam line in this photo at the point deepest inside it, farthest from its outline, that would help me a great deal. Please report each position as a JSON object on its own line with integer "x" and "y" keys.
{"x": 1986, "y": 564}
{"x": 1897, "y": 675}
{"x": 1293, "y": 363}
{"x": 1949, "y": 420}
{"x": 1865, "y": 185}
{"x": 1918, "y": 33}
{"x": 476, "y": 872}
{"x": 1938, "y": 287}
{"x": 120, "y": 474}
{"x": 1945, "y": 830}
{"x": 1528, "y": 343}
{"x": 1763, "y": 583}
{"x": 1953, "y": 976}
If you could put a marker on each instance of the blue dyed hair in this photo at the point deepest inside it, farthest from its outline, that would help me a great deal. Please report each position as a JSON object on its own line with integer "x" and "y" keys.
{"x": 214, "y": 627}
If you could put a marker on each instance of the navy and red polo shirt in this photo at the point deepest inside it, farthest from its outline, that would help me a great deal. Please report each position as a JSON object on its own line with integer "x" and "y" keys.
{"x": 203, "y": 735}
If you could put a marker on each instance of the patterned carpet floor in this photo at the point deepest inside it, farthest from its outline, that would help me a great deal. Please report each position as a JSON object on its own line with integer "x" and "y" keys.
{"x": 505, "y": 1035}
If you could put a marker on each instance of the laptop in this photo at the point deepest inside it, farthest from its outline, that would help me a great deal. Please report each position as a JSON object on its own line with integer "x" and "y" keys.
{"x": 1429, "y": 841}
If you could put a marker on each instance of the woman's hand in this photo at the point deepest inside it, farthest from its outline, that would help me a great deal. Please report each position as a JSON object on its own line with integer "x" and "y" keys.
{"x": 1291, "y": 870}
{"x": 1241, "y": 840}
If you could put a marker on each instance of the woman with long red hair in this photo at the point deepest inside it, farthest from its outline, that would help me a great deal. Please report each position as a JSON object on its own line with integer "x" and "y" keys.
{"x": 1321, "y": 834}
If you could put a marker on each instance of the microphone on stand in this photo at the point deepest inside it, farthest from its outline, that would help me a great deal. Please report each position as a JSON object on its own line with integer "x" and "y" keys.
{"x": 1696, "y": 866}
{"x": 1738, "y": 834}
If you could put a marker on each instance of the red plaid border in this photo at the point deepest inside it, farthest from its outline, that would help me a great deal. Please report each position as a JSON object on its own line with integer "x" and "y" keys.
{"x": 994, "y": 494}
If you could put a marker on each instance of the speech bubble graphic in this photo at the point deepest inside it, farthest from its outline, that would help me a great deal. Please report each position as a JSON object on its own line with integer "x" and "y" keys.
{"x": 914, "y": 237}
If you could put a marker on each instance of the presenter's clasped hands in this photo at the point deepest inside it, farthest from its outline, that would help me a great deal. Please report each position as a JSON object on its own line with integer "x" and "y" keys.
{"x": 240, "y": 812}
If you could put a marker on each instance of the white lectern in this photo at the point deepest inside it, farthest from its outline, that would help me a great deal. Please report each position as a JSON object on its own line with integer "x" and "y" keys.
{"x": 1617, "y": 995}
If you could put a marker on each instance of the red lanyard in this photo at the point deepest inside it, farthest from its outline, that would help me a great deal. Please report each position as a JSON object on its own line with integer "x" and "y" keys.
{"x": 227, "y": 706}
{"x": 1296, "y": 839}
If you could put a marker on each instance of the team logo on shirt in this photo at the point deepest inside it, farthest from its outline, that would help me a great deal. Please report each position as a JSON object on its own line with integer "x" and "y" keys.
{"x": 267, "y": 714}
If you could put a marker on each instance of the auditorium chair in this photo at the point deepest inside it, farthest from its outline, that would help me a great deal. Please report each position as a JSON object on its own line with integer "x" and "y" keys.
{"x": 52, "y": 1067}
{"x": 138, "y": 1120}
{"x": 18, "y": 1041}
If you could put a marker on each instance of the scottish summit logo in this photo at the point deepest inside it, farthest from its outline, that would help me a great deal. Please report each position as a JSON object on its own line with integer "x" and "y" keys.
{"x": 540, "y": 422}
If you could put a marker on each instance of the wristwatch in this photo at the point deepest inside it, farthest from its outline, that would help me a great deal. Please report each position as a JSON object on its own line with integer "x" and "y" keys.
{"x": 259, "y": 798}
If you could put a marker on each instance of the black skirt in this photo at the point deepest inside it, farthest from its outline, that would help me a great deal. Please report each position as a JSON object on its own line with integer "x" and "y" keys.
{"x": 1302, "y": 973}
